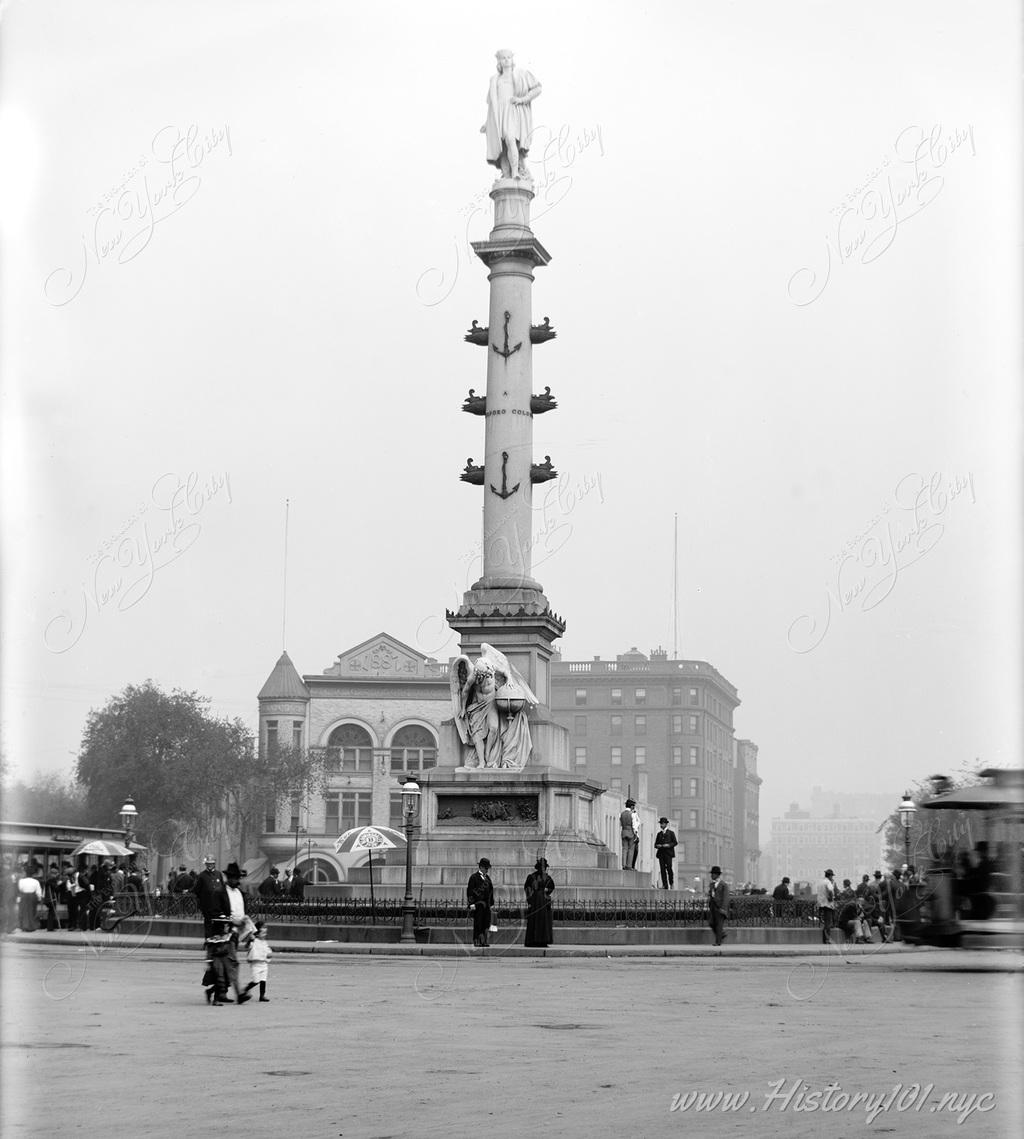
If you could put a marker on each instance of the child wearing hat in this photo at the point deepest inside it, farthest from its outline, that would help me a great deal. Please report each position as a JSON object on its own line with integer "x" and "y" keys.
{"x": 259, "y": 960}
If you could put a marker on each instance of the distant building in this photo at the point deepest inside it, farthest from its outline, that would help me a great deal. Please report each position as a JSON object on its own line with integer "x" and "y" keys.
{"x": 664, "y": 729}
{"x": 803, "y": 846}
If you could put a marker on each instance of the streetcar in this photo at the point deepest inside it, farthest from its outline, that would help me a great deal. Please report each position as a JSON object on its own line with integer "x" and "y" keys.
{"x": 973, "y": 893}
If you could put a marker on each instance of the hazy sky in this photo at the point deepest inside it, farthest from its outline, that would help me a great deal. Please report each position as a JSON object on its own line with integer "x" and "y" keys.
{"x": 785, "y": 245}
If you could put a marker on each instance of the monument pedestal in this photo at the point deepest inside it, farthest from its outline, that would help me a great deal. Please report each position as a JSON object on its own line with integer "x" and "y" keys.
{"x": 511, "y": 817}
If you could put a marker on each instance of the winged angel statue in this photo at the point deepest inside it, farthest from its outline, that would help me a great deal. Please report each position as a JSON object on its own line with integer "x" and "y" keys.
{"x": 490, "y": 700}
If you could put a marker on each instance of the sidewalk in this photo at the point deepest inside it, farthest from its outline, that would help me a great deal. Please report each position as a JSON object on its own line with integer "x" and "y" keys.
{"x": 153, "y": 940}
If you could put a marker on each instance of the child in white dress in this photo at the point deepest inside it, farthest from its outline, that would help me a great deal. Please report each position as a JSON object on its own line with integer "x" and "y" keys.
{"x": 259, "y": 960}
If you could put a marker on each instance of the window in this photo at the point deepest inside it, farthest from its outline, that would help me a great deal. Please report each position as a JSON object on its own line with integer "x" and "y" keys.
{"x": 677, "y": 725}
{"x": 693, "y": 788}
{"x": 694, "y": 697}
{"x": 693, "y": 724}
{"x": 616, "y": 695}
{"x": 677, "y": 788}
{"x": 333, "y": 815}
{"x": 616, "y": 726}
{"x": 271, "y": 736}
{"x": 677, "y": 756}
{"x": 296, "y": 733}
{"x": 693, "y": 757}
{"x": 640, "y": 755}
{"x": 640, "y": 725}
{"x": 270, "y": 817}
{"x": 579, "y": 725}
{"x": 693, "y": 820}
{"x": 581, "y": 696}
{"x": 640, "y": 696}
{"x": 349, "y": 748}
{"x": 615, "y": 784}
{"x": 355, "y": 810}
{"x": 581, "y": 756}
{"x": 395, "y": 817}
{"x": 293, "y": 822}
{"x": 616, "y": 756}
{"x": 677, "y": 696}
{"x": 413, "y": 749}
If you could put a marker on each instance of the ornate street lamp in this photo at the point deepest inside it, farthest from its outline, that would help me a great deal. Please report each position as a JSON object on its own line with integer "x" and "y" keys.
{"x": 410, "y": 808}
{"x": 907, "y": 813}
{"x": 129, "y": 813}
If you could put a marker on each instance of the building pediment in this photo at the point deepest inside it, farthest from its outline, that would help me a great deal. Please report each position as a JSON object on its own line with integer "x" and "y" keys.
{"x": 380, "y": 656}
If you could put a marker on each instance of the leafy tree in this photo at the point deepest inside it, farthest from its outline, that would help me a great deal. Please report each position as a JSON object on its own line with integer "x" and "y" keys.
{"x": 191, "y": 774}
{"x": 167, "y": 751}
{"x": 274, "y": 774}
{"x": 931, "y": 831}
{"x": 48, "y": 799}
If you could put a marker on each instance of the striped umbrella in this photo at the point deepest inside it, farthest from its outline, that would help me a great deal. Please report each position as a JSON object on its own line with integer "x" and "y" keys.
{"x": 102, "y": 847}
{"x": 370, "y": 839}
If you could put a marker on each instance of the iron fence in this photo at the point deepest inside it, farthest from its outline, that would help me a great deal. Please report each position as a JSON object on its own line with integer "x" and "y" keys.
{"x": 758, "y": 910}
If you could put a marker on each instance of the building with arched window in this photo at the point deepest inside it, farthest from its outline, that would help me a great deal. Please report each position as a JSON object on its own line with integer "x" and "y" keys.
{"x": 376, "y": 711}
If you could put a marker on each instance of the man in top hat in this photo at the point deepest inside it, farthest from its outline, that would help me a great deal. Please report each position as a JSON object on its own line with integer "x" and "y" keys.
{"x": 237, "y": 899}
{"x": 480, "y": 895}
{"x": 211, "y": 894}
{"x": 718, "y": 904}
{"x": 628, "y": 834}
{"x": 665, "y": 844}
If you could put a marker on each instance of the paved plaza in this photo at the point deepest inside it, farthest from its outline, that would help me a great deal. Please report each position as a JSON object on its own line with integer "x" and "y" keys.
{"x": 116, "y": 1039}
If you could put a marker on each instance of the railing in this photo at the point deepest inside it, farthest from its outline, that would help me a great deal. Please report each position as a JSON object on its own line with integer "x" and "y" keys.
{"x": 758, "y": 911}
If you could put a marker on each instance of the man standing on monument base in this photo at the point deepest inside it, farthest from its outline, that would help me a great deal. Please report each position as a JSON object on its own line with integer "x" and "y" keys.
{"x": 509, "y": 118}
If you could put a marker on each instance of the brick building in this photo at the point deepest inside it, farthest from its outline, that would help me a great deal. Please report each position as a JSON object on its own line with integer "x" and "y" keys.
{"x": 664, "y": 730}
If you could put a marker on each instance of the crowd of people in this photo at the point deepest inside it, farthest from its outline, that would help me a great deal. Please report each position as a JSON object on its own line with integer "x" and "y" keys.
{"x": 858, "y": 912}
{"x": 63, "y": 895}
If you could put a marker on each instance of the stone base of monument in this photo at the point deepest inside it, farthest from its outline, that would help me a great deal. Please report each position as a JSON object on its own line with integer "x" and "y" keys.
{"x": 512, "y": 818}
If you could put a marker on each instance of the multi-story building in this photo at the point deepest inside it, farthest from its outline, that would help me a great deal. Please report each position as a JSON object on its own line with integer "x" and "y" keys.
{"x": 803, "y": 847}
{"x": 659, "y": 729}
{"x": 663, "y": 729}
{"x": 376, "y": 711}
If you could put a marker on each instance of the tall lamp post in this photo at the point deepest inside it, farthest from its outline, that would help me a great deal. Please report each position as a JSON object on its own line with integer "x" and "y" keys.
{"x": 410, "y": 808}
{"x": 129, "y": 813}
{"x": 907, "y": 813}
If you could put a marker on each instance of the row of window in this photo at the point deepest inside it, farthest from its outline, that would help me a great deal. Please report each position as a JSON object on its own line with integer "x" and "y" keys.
{"x": 640, "y": 696}
{"x": 639, "y": 725}
{"x": 639, "y": 755}
{"x": 350, "y": 747}
{"x": 343, "y": 810}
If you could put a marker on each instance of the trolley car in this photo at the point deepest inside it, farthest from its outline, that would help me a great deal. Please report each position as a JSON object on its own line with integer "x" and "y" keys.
{"x": 973, "y": 895}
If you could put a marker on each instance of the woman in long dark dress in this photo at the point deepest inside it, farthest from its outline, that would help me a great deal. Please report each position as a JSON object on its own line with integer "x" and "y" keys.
{"x": 539, "y": 888}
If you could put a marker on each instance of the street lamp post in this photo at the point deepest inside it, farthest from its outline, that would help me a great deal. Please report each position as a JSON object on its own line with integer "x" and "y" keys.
{"x": 129, "y": 814}
{"x": 410, "y": 807}
{"x": 907, "y": 813}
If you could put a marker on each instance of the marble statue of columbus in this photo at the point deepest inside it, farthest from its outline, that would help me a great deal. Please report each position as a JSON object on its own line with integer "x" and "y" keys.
{"x": 509, "y": 118}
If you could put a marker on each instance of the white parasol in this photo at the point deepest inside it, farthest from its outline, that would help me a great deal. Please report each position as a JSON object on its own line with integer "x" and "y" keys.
{"x": 370, "y": 839}
{"x": 102, "y": 847}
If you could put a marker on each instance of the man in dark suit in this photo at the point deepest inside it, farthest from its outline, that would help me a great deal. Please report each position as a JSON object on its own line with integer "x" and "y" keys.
{"x": 718, "y": 904}
{"x": 665, "y": 843}
{"x": 270, "y": 887}
{"x": 782, "y": 892}
{"x": 211, "y": 895}
{"x": 480, "y": 894}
